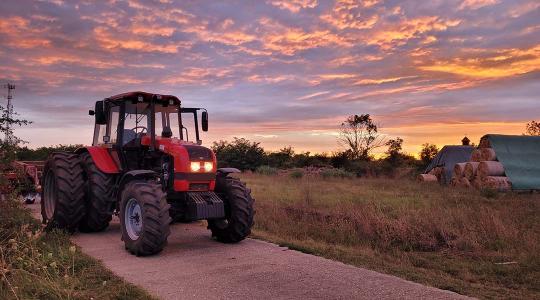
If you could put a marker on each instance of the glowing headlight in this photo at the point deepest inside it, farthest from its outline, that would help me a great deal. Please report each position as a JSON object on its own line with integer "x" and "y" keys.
{"x": 208, "y": 166}
{"x": 195, "y": 166}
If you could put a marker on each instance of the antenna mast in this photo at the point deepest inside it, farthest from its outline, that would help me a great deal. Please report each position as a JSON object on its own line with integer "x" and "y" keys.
{"x": 10, "y": 87}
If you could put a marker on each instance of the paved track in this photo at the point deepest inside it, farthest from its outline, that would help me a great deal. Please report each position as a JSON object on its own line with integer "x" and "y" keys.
{"x": 193, "y": 266}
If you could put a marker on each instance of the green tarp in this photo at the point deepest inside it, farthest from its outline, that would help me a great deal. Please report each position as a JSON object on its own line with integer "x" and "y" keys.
{"x": 520, "y": 156}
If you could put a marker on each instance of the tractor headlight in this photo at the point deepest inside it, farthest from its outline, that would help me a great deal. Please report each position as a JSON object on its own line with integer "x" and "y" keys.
{"x": 195, "y": 166}
{"x": 208, "y": 166}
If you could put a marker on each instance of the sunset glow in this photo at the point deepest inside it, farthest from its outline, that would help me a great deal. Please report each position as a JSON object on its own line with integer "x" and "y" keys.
{"x": 282, "y": 72}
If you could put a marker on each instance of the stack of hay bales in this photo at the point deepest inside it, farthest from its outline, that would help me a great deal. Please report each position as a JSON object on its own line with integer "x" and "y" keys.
{"x": 483, "y": 171}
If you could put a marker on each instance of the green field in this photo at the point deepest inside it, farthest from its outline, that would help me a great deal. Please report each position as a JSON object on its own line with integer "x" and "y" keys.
{"x": 475, "y": 243}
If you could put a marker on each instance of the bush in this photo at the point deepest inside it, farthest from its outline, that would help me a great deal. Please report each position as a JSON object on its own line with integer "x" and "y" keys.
{"x": 297, "y": 174}
{"x": 266, "y": 170}
{"x": 336, "y": 173}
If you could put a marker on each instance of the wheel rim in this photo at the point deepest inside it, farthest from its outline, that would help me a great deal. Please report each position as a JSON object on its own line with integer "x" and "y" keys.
{"x": 49, "y": 192}
{"x": 133, "y": 219}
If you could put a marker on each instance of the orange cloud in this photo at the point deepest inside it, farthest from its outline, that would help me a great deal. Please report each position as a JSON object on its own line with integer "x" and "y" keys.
{"x": 294, "y": 5}
{"x": 111, "y": 42}
{"x": 476, "y": 4}
{"x": 21, "y": 34}
{"x": 502, "y": 63}
{"x": 398, "y": 34}
{"x": 289, "y": 40}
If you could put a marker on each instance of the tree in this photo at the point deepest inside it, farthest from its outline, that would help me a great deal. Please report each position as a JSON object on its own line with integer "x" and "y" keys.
{"x": 360, "y": 135}
{"x": 532, "y": 128}
{"x": 428, "y": 153}
{"x": 240, "y": 153}
{"x": 9, "y": 144}
{"x": 394, "y": 155}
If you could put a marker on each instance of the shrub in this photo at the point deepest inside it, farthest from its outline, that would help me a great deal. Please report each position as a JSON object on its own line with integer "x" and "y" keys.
{"x": 266, "y": 170}
{"x": 297, "y": 174}
{"x": 336, "y": 173}
{"x": 489, "y": 193}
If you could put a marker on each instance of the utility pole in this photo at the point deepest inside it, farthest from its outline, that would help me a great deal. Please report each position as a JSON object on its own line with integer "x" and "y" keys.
{"x": 10, "y": 87}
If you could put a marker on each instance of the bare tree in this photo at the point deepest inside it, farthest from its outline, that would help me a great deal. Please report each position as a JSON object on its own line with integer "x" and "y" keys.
{"x": 359, "y": 134}
{"x": 532, "y": 128}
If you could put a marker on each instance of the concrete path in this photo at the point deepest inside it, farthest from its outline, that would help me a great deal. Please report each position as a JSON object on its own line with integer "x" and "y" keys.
{"x": 193, "y": 266}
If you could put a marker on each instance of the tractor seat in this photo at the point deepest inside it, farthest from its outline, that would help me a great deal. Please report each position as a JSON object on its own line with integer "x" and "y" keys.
{"x": 129, "y": 135}
{"x": 167, "y": 132}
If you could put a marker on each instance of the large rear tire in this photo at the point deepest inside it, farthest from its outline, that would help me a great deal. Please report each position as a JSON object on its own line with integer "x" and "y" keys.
{"x": 238, "y": 209}
{"x": 144, "y": 217}
{"x": 62, "y": 204}
{"x": 99, "y": 199}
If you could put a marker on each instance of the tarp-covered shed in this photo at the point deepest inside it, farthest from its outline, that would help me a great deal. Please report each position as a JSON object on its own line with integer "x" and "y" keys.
{"x": 520, "y": 156}
{"x": 448, "y": 157}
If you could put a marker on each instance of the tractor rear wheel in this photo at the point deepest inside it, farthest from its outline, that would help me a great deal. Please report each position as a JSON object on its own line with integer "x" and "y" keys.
{"x": 62, "y": 204}
{"x": 144, "y": 217}
{"x": 99, "y": 202}
{"x": 237, "y": 224}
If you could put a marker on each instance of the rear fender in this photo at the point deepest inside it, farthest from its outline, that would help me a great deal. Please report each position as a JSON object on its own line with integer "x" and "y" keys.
{"x": 102, "y": 158}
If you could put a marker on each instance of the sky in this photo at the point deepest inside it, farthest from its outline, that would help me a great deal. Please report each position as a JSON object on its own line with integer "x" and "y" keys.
{"x": 279, "y": 72}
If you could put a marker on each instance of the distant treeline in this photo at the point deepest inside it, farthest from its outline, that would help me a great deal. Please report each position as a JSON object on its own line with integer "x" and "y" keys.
{"x": 247, "y": 155}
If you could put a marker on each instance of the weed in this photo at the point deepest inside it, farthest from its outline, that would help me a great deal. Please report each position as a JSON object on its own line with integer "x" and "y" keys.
{"x": 266, "y": 170}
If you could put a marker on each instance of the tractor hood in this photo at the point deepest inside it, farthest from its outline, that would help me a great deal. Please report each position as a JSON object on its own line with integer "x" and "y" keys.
{"x": 184, "y": 154}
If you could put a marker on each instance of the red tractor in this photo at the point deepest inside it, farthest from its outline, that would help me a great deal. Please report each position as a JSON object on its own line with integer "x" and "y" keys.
{"x": 143, "y": 167}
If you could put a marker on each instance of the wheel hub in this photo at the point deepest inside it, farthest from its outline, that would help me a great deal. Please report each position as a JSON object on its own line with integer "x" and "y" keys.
{"x": 133, "y": 219}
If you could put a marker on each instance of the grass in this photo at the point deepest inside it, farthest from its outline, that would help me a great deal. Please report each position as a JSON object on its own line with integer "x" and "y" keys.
{"x": 38, "y": 265}
{"x": 455, "y": 239}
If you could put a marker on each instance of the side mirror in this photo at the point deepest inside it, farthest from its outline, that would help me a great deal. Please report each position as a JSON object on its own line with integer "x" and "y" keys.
{"x": 99, "y": 112}
{"x": 204, "y": 121}
{"x": 91, "y": 112}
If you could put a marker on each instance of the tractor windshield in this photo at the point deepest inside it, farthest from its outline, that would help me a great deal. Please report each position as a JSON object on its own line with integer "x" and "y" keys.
{"x": 137, "y": 121}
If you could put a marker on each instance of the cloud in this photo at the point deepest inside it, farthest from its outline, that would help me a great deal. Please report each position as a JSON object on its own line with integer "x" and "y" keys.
{"x": 476, "y": 4}
{"x": 285, "y": 72}
{"x": 294, "y": 6}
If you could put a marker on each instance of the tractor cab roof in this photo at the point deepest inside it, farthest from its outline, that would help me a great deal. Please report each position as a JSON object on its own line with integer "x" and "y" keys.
{"x": 142, "y": 97}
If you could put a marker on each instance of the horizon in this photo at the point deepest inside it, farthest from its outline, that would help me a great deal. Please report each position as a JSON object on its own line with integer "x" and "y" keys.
{"x": 279, "y": 72}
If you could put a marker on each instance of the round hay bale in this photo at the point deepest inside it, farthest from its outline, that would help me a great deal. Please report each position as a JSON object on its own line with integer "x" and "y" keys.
{"x": 490, "y": 168}
{"x": 470, "y": 170}
{"x": 426, "y": 178}
{"x": 476, "y": 155}
{"x": 488, "y": 154}
{"x": 459, "y": 169}
{"x": 477, "y": 183}
{"x": 499, "y": 183}
{"x": 484, "y": 143}
{"x": 464, "y": 182}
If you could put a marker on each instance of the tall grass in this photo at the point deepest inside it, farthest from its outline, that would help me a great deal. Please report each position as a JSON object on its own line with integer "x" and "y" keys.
{"x": 38, "y": 265}
{"x": 450, "y": 238}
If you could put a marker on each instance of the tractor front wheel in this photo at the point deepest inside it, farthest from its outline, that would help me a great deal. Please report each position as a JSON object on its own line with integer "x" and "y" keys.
{"x": 62, "y": 201}
{"x": 144, "y": 217}
{"x": 237, "y": 224}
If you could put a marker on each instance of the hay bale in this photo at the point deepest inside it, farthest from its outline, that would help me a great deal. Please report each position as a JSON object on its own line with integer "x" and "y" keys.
{"x": 427, "y": 178}
{"x": 459, "y": 169}
{"x": 477, "y": 183}
{"x": 470, "y": 170}
{"x": 476, "y": 155}
{"x": 499, "y": 183}
{"x": 484, "y": 143}
{"x": 490, "y": 168}
{"x": 488, "y": 154}
{"x": 464, "y": 182}
{"x": 454, "y": 181}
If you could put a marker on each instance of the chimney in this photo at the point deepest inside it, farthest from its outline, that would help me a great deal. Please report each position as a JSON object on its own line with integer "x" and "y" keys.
{"x": 465, "y": 141}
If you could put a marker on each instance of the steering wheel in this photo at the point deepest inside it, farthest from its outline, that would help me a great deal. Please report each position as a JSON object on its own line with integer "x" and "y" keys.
{"x": 143, "y": 129}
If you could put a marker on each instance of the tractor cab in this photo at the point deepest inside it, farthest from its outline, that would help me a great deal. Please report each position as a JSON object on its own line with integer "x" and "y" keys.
{"x": 124, "y": 119}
